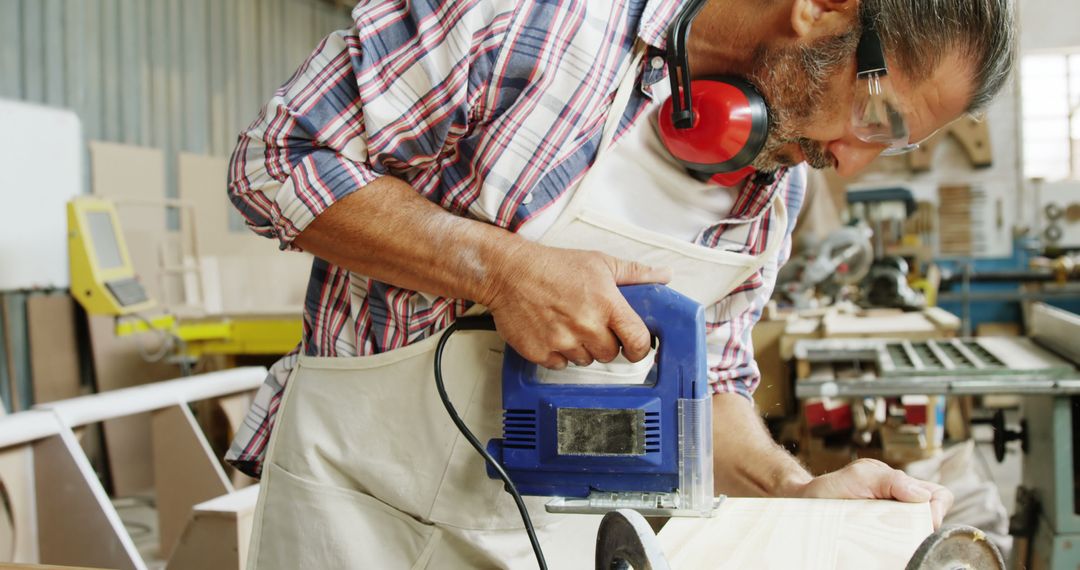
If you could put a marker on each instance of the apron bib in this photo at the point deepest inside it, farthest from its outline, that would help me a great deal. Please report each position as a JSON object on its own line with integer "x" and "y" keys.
{"x": 364, "y": 467}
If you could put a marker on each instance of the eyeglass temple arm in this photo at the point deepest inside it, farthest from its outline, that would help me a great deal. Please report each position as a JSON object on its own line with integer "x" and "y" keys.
{"x": 870, "y": 55}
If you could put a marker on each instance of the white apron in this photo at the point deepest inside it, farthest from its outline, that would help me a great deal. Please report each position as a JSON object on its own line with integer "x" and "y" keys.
{"x": 364, "y": 467}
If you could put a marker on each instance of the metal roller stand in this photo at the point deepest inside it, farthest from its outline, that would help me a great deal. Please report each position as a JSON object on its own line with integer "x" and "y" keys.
{"x": 625, "y": 540}
{"x": 957, "y": 547}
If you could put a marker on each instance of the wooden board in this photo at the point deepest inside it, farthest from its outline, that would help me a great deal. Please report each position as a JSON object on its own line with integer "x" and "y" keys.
{"x": 203, "y": 183}
{"x": 955, "y": 221}
{"x": 186, "y": 472}
{"x": 54, "y": 349}
{"x": 218, "y": 533}
{"x": 117, "y": 364}
{"x": 1020, "y": 353}
{"x": 18, "y": 537}
{"x": 134, "y": 177}
{"x": 234, "y": 262}
{"x": 907, "y": 325}
{"x": 781, "y": 534}
{"x": 77, "y": 525}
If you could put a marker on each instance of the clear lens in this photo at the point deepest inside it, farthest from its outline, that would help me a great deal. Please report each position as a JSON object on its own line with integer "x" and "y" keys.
{"x": 876, "y": 117}
{"x": 900, "y": 149}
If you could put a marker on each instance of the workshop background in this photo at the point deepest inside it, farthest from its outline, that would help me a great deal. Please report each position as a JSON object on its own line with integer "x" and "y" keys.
{"x": 139, "y": 314}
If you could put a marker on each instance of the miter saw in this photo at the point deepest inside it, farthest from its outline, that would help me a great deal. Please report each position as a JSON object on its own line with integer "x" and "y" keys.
{"x": 843, "y": 259}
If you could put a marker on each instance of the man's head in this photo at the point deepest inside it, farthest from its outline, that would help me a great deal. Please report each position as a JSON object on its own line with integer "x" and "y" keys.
{"x": 946, "y": 58}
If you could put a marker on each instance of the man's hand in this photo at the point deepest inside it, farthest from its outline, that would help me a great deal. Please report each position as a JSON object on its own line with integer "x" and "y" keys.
{"x": 872, "y": 479}
{"x": 558, "y": 305}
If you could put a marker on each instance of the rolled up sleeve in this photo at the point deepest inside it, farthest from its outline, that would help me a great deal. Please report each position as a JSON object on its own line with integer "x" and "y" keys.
{"x": 307, "y": 148}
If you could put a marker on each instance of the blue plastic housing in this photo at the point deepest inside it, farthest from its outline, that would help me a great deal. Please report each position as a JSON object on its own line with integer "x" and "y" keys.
{"x": 529, "y": 447}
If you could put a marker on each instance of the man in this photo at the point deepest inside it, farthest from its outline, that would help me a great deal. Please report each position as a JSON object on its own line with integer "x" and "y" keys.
{"x": 428, "y": 156}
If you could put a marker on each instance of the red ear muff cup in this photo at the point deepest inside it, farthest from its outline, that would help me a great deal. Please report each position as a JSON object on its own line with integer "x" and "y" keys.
{"x": 731, "y": 124}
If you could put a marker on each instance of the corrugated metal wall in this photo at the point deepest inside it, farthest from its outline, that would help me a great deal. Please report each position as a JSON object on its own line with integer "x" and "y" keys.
{"x": 181, "y": 75}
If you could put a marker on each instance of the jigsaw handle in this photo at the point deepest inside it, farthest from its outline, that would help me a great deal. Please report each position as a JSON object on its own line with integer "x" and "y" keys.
{"x": 676, "y": 320}
{"x": 679, "y": 323}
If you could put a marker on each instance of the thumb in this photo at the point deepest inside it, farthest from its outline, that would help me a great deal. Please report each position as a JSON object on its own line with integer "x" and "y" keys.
{"x": 911, "y": 492}
{"x": 633, "y": 273}
{"x": 898, "y": 485}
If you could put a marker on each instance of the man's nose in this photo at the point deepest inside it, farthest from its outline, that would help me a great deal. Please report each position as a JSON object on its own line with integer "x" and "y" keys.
{"x": 852, "y": 157}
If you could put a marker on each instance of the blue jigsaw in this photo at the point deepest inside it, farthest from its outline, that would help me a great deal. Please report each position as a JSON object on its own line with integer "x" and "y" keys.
{"x": 599, "y": 447}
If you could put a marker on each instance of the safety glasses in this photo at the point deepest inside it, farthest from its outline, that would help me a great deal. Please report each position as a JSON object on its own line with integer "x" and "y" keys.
{"x": 877, "y": 117}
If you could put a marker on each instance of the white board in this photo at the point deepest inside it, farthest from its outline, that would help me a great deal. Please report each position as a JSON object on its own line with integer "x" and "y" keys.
{"x": 40, "y": 170}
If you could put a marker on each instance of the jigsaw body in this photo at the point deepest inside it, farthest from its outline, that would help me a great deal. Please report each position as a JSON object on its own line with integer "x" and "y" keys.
{"x": 597, "y": 447}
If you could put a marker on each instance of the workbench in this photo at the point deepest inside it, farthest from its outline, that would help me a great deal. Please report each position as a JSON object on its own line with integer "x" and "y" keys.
{"x": 1041, "y": 369}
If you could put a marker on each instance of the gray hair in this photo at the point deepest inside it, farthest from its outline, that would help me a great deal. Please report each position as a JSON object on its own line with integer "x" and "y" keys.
{"x": 917, "y": 34}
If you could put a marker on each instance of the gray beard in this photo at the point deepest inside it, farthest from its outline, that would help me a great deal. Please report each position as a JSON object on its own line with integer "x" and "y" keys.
{"x": 794, "y": 82}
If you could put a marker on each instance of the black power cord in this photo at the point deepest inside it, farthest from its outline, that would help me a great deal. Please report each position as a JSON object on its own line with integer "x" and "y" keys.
{"x": 482, "y": 324}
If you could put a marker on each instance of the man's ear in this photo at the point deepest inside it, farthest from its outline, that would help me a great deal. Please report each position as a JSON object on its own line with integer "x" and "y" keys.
{"x": 814, "y": 18}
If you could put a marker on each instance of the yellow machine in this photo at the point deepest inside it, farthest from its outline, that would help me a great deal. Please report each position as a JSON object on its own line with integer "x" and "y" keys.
{"x": 104, "y": 282}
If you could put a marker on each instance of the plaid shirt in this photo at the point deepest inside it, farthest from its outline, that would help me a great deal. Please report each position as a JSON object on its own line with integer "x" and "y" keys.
{"x": 492, "y": 109}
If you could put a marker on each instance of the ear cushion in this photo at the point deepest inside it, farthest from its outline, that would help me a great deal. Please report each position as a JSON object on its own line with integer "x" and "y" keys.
{"x": 731, "y": 124}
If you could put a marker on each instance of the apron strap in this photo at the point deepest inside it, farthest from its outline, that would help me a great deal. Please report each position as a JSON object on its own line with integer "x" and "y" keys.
{"x": 628, "y": 72}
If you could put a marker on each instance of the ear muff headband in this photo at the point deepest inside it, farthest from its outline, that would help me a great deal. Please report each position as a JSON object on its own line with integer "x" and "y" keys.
{"x": 715, "y": 125}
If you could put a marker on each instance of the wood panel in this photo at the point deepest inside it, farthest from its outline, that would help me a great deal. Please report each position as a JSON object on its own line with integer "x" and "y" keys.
{"x": 118, "y": 364}
{"x": 186, "y": 472}
{"x": 54, "y": 349}
{"x": 781, "y": 534}
{"x": 77, "y": 525}
{"x": 218, "y": 533}
{"x": 236, "y": 265}
{"x": 18, "y": 529}
{"x": 134, "y": 178}
{"x": 955, "y": 223}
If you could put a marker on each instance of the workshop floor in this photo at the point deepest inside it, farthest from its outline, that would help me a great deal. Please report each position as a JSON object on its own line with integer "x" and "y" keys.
{"x": 140, "y": 519}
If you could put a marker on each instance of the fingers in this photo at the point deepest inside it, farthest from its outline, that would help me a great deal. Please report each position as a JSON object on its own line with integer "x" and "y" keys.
{"x": 625, "y": 323}
{"x": 604, "y": 347}
{"x": 941, "y": 500}
{"x": 554, "y": 361}
{"x": 566, "y": 307}
{"x": 873, "y": 479}
{"x": 578, "y": 355}
{"x": 889, "y": 483}
{"x": 634, "y": 273}
{"x": 631, "y": 331}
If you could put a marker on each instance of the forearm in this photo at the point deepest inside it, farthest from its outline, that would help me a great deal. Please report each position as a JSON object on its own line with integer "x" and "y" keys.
{"x": 746, "y": 460}
{"x": 387, "y": 231}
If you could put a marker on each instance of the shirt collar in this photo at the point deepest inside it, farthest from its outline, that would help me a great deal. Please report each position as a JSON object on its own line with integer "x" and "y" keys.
{"x": 655, "y": 21}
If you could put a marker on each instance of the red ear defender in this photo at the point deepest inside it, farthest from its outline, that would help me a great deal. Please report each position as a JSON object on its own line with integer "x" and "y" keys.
{"x": 727, "y": 129}
{"x": 712, "y": 126}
